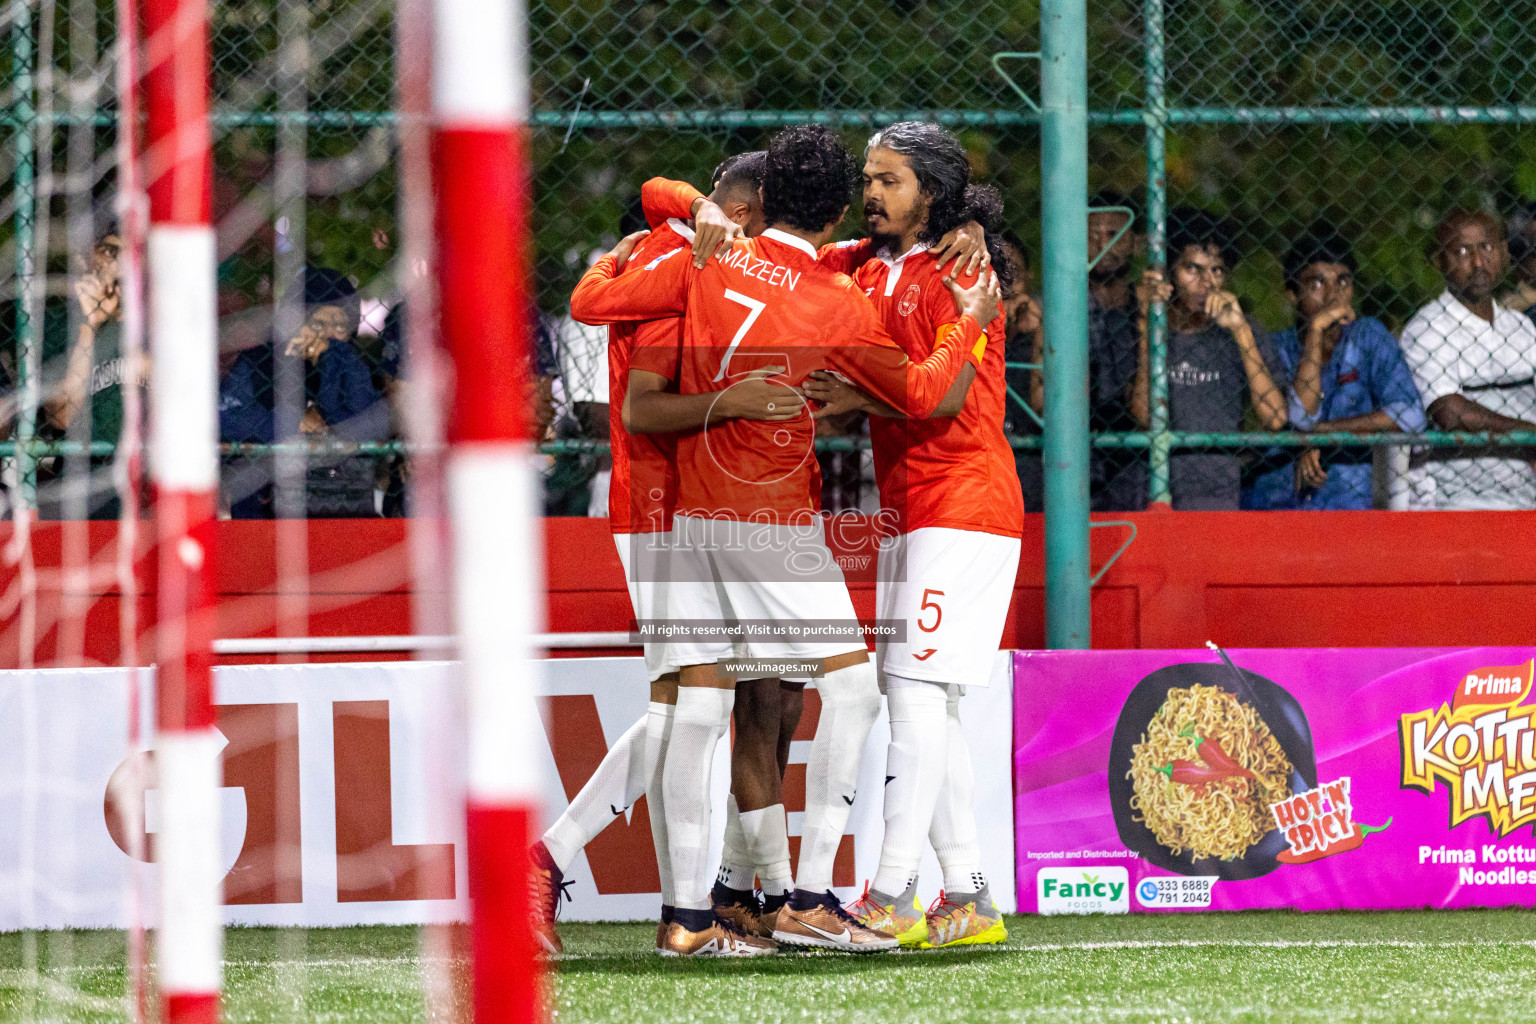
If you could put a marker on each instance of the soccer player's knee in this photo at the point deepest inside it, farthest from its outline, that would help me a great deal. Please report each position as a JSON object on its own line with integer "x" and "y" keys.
{"x": 913, "y": 700}
{"x": 757, "y": 712}
{"x": 704, "y": 706}
{"x": 852, "y": 689}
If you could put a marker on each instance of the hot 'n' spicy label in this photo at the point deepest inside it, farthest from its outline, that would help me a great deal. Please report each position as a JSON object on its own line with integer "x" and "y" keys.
{"x": 1319, "y": 823}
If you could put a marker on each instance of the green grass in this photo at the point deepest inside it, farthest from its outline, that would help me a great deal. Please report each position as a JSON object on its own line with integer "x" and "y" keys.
{"x": 1450, "y": 966}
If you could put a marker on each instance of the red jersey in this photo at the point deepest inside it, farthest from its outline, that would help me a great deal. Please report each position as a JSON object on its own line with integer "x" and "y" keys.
{"x": 643, "y": 488}
{"x": 769, "y": 302}
{"x": 954, "y": 471}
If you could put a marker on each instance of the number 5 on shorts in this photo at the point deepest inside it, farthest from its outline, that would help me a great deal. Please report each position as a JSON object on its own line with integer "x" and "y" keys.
{"x": 938, "y": 613}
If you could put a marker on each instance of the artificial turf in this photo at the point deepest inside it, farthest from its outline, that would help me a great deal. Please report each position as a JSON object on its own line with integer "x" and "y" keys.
{"x": 1422, "y": 966}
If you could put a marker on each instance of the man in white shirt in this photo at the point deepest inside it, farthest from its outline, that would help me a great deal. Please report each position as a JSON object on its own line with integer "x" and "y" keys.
{"x": 1474, "y": 363}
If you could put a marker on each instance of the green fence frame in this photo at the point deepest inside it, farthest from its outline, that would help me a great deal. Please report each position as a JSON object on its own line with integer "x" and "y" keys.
{"x": 1064, "y": 121}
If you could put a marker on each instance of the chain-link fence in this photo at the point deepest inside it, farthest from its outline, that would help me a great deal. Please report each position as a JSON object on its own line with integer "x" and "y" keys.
{"x": 1301, "y": 155}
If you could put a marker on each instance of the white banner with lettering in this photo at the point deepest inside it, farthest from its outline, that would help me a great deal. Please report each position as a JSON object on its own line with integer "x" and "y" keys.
{"x": 343, "y": 793}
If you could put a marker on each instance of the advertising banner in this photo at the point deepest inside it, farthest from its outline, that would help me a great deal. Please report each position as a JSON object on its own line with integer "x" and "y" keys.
{"x": 343, "y": 793}
{"x": 1366, "y": 779}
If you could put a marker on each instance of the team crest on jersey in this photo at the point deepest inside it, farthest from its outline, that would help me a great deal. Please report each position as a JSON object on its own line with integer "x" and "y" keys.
{"x": 909, "y": 300}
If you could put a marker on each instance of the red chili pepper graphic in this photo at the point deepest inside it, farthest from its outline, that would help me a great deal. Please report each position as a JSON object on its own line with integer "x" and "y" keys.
{"x": 1190, "y": 773}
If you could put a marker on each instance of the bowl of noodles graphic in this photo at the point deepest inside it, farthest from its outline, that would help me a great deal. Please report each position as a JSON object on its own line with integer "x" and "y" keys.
{"x": 1197, "y": 758}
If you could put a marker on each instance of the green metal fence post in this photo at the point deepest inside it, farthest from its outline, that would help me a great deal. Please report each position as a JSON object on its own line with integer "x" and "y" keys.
{"x": 1156, "y": 119}
{"x": 28, "y": 356}
{"x": 1064, "y": 221}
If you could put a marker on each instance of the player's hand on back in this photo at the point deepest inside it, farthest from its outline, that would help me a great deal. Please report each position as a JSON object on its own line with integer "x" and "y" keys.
{"x": 713, "y": 232}
{"x": 620, "y": 252}
{"x": 755, "y": 397}
{"x": 981, "y": 300}
{"x": 966, "y": 245}
{"x": 835, "y": 395}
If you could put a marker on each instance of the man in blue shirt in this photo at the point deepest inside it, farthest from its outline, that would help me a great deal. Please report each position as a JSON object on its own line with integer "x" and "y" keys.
{"x": 1347, "y": 373}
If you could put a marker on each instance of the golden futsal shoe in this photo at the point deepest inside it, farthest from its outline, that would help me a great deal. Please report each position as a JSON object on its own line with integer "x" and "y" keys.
{"x": 970, "y": 920}
{"x": 902, "y": 919}
{"x": 826, "y": 925}
{"x": 719, "y": 939}
{"x": 747, "y": 915}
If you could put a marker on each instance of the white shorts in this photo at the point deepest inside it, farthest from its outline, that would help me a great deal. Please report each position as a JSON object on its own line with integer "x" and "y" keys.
{"x": 731, "y": 571}
{"x": 646, "y": 558}
{"x": 952, "y": 589}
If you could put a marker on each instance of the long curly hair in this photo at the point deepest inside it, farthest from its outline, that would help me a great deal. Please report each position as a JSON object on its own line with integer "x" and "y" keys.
{"x": 809, "y": 178}
{"x": 943, "y": 172}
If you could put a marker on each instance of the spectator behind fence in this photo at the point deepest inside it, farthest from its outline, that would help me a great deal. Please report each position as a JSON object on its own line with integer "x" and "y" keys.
{"x": 1118, "y": 476}
{"x": 82, "y": 385}
{"x": 1021, "y": 311}
{"x": 1473, "y": 361}
{"x": 1522, "y": 260}
{"x": 1218, "y": 358}
{"x": 1348, "y": 374}
{"x": 339, "y": 401}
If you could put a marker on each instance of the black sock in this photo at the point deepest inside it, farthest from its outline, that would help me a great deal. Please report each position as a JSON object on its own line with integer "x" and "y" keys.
{"x": 804, "y": 899}
{"x": 693, "y": 920}
{"x": 725, "y": 894}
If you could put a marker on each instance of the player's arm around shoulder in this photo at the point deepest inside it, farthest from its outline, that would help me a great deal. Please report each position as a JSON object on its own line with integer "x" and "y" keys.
{"x": 658, "y": 288}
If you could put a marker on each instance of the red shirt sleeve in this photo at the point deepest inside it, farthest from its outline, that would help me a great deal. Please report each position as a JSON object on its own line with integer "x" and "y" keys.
{"x": 662, "y": 198}
{"x": 861, "y": 350}
{"x": 846, "y": 257}
{"x": 659, "y": 288}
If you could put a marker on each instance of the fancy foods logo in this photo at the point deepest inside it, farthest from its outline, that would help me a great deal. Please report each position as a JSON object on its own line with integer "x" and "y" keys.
{"x": 1320, "y": 823}
{"x": 1103, "y": 890}
{"x": 1481, "y": 746}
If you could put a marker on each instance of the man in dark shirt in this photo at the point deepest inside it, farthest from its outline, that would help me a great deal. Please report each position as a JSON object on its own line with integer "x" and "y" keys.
{"x": 1220, "y": 361}
{"x": 339, "y": 398}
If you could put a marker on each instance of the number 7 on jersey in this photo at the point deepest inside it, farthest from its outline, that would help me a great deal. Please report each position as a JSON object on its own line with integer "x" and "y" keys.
{"x": 756, "y": 306}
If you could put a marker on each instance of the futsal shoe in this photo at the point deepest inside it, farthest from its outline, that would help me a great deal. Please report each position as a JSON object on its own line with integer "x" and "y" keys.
{"x": 820, "y": 922}
{"x": 661, "y": 926}
{"x": 546, "y": 885}
{"x": 902, "y": 918}
{"x": 965, "y": 919}
{"x": 714, "y": 937}
{"x": 742, "y": 908}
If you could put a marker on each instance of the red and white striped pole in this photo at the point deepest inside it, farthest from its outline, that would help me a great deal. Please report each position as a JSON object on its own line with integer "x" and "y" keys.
{"x": 480, "y": 107}
{"x": 184, "y": 464}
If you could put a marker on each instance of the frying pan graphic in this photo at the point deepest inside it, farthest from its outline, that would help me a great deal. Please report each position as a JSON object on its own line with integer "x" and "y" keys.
{"x": 1278, "y": 709}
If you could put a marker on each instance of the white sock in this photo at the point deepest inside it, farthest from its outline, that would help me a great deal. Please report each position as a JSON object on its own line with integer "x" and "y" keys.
{"x": 850, "y": 703}
{"x": 767, "y": 837}
{"x": 618, "y": 782}
{"x": 915, "y": 766}
{"x": 703, "y": 714}
{"x": 658, "y": 732}
{"x": 737, "y": 868}
{"x": 953, "y": 833}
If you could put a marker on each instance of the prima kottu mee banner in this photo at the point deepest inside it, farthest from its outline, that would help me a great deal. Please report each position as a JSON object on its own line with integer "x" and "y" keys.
{"x": 1371, "y": 779}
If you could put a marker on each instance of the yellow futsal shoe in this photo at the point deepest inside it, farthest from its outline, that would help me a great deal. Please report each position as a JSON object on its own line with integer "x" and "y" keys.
{"x": 901, "y": 919}
{"x": 965, "y": 919}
